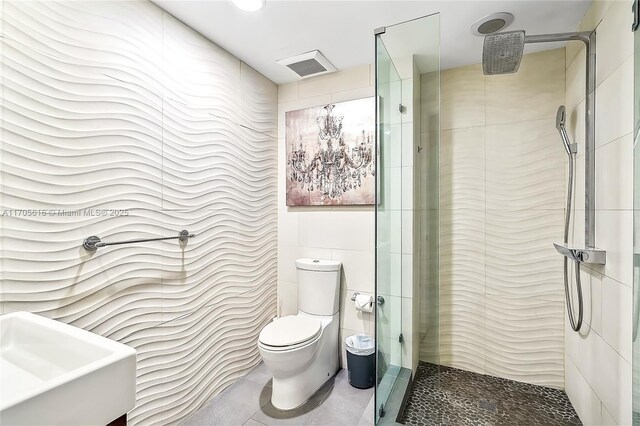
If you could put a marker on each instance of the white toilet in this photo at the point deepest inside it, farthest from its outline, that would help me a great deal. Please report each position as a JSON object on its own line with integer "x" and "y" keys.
{"x": 301, "y": 351}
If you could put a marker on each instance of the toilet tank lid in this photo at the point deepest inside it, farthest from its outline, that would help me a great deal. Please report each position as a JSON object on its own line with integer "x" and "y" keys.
{"x": 318, "y": 265}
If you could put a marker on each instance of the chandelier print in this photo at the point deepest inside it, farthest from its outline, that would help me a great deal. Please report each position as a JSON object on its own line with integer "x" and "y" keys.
{"x": 330, "y": 154}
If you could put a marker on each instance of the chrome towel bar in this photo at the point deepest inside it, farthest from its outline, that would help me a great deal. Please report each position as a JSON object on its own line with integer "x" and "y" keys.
{"x": 93, "y": 243}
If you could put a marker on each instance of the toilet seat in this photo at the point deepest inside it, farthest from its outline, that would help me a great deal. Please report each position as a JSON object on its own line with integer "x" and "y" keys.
{"x": 289, "y": 331}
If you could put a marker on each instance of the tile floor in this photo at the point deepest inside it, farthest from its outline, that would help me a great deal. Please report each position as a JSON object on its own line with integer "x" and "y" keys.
{"x": 448, "y": 396}
{"x": 248, "y": 402}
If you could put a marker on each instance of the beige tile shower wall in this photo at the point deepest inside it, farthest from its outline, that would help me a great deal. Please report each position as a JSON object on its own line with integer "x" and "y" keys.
{"x": 501, "y": 207}
{"x": 598, "y": 360}
{"x": 427, "y": 236}
{"x": 340, "y": 233}
{"x": 118, "y": 107}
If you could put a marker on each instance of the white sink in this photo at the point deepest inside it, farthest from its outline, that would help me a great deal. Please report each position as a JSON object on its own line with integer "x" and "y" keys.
{"x": 52, "y": 373}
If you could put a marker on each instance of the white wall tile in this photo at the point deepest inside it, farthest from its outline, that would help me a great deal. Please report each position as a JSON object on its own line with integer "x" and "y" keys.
{"x": 287, "y": 298}
{"x": 287, "y": 92}
{"x": 614, "y": 175}
{"x": 584, "y": 399}
{"x": 157, "y": 120}
{"x": 407, "y": 188}
{"x": 334, "y": 82}
{"x": 407, "y": 276}
{"x": 389, "y": 268}
{"x": 614, "y": 105}
{"x": 617, "y": 300}
{"x": 612, "y": 48}
{"x": 592, "y": 296}
{"x": 607, "y": 418}
{"x": 407, "y": 320}
{"x": 287, "y": 228}
{"x": 603, "y": 350}
{"x": 407, "y": 100}
{"x": 394, "y": 147}
{"x": 408, "y": 145}
{"x": 335, "y": 228}
{"x": 358, "y": 269}
{"x": 395, "y": 188}
{"x": 351, "y": 94}
{"x": 396, "y": 243}
{"x": 613, "y": 384}
{"x": 571, "y": 344}
{"x": 394, "y": 102}
{"x": 608, "y": 374}
{"x": 576, "y": 77}
{"x": 407, "y": 232}
{"x": 350, "y": 317}
{"x": 613, "y": 233}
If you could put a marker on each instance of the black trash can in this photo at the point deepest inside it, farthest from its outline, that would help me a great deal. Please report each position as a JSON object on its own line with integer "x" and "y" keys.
{"x": 361, "y": 360}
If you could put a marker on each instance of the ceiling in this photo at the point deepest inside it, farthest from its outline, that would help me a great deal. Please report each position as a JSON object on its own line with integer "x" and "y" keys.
{"x": 343, "y": 30}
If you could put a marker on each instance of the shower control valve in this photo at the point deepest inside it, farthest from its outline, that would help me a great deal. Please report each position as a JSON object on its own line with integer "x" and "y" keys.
{"x": 589, "y": 255}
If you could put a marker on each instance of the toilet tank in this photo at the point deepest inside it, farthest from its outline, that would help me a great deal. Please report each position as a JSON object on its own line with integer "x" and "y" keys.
{"x": 318, "y": 286}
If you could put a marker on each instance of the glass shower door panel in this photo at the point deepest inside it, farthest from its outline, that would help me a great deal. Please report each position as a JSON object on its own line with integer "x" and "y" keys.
{"x": 636, "y": 236}
{"x": 388, "y": 226}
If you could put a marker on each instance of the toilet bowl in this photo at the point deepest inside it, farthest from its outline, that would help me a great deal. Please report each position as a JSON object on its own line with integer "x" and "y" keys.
{"x": 301, "y": 351}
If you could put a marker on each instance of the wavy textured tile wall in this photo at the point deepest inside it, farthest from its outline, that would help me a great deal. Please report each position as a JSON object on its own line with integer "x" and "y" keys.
{"x": 119, "y": 106}
{"x": 501, "y": 207}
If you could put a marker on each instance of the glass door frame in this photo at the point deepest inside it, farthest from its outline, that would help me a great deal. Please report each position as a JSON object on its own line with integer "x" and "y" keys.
{"x": 382, "y": 195}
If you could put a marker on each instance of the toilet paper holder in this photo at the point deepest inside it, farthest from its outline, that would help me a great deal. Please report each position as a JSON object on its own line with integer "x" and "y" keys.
{"x": 380, "y": 299}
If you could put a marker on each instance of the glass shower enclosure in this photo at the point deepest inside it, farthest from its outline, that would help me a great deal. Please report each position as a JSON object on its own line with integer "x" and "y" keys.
{"x": 407, "y": 118}
{"x": 388, "y": 223}
{"x": 636, "y": 230}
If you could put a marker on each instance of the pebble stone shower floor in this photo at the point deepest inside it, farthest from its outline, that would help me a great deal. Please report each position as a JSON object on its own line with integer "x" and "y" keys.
{"x": 449, "y": 396}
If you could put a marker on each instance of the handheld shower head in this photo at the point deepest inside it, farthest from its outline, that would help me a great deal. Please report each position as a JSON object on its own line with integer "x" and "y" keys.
{"x": 561, "y": 117}
{"x": 561, "y": 120}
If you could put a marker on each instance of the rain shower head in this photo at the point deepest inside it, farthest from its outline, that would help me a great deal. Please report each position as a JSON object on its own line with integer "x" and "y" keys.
{"x": 502, "y": 52}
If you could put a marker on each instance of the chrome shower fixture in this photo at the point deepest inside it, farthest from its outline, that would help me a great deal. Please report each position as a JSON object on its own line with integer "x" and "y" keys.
{"x": 576, "y": 323}
{"x": 561, "y": 119}
{"x": 502, "y": 52}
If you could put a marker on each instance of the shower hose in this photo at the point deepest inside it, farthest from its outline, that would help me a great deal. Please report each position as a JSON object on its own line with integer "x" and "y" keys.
{"x": 575, "y": 324}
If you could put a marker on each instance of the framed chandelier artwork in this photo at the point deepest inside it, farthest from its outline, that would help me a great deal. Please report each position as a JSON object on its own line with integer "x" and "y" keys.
{"x": 331, "y": 154}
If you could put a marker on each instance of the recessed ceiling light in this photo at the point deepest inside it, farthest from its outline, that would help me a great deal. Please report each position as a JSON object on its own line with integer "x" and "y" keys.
{"x": 492, "y": 23}
{"x": 249, "y": 5}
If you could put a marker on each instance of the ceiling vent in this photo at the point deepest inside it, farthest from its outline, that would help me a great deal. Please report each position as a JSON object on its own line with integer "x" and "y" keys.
{"x": 308, "y": 64}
